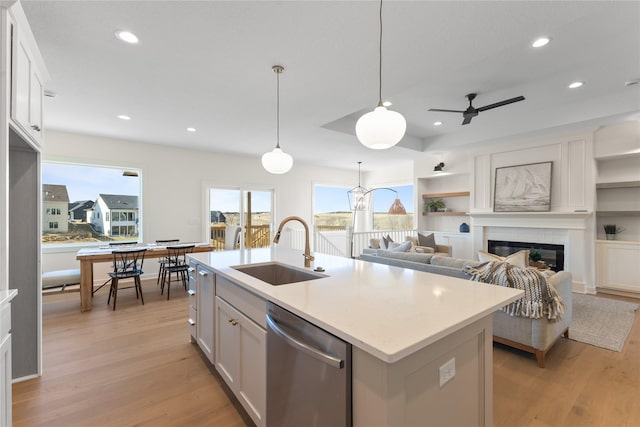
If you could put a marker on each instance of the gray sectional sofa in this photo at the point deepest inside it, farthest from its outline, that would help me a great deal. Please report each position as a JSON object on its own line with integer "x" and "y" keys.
{"x": 532, "y": 335}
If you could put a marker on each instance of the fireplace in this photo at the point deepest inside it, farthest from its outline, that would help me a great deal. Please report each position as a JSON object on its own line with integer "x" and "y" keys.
{"x": 551, "y": 255}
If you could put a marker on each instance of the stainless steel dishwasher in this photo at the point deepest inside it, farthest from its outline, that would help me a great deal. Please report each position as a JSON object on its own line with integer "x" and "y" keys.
{"x": 308, "y": 373}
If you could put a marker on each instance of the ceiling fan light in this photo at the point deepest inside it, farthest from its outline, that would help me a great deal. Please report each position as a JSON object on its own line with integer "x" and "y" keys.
{"x": 277, "y": 161}
{"x": 381, "y": 128}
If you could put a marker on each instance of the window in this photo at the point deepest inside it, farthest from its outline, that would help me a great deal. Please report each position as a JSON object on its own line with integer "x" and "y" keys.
{"x": 84, "y": 197}
{"x": 331, "y": 210}
{"x": 250, "y": 211}
{"x": 382, "y": 201}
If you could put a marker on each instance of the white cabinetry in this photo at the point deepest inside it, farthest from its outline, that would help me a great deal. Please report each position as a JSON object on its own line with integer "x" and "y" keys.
{"x": 27, "y": 78}
{"x": 193, "y": 301}
{"x": 241, "y": 341}
{"x": 5, "y": 357}
{"x": 205, "y": 297}
{"x": 617, "y": 266}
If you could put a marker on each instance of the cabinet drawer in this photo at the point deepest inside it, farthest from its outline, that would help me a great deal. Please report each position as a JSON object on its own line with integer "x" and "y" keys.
{"x": 5, "y": 321}
{"x": 249, "y": 304}
{"x": 192, "y": 321}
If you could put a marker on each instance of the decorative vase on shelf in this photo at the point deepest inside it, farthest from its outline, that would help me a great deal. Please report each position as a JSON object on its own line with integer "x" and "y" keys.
{"x": 464, "y": 227}
{"x": 611, "y": 236}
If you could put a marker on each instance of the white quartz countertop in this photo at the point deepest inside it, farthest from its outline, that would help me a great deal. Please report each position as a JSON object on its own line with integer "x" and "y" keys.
{"x": 387, "y": 311}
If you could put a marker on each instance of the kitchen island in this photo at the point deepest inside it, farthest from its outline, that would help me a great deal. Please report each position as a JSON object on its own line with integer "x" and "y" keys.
{"x": 421, "y": 343}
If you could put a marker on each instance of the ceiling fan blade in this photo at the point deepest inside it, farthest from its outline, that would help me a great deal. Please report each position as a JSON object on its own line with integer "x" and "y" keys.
{"x": 501, "y": 103}
{"x": 446, "y": 111}
{"x": 467, "y": 120}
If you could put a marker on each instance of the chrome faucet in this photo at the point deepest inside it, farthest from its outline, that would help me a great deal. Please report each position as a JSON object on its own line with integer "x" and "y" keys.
{"x": 307, "y": 251}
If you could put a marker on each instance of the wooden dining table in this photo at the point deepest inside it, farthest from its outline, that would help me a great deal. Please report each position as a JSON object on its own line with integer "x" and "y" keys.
{"x": 89, "y": 256}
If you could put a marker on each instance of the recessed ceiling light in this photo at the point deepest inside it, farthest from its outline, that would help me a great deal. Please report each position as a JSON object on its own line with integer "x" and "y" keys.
{"x": 387, "y": 103}
{"x": 575, "y": 85}
{"x": 124, "y": 117}
{"x": 127, "y": 36}
{"x": 191, "y": 129}
{"x": 438, "y": 123}
{"x": 542, "y": 41}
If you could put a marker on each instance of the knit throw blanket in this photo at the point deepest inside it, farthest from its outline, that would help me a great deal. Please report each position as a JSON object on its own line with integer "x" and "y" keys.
{"x": 540, "y": 299}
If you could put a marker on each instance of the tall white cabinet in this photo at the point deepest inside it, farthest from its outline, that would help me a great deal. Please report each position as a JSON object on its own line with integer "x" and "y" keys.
{"x": 22, "y": 76}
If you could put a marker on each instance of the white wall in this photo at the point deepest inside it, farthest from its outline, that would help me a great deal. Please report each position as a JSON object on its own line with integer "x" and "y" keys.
{"x": 174, "y": 182}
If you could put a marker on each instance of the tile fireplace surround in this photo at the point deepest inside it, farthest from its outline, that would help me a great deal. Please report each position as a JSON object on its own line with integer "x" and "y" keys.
{"x": 571, "y": 229}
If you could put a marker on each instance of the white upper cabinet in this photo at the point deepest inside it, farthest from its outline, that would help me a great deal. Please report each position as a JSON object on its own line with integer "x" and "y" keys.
{"x": 28, "y": 75}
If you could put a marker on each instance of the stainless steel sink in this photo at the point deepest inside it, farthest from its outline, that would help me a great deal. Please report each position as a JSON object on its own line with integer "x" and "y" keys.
{"x": 276, "y": 274}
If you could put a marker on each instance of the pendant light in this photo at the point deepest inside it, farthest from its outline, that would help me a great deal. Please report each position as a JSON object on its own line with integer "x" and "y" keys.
{"x": 277, "y": 161}
{"x": 359, "y": 196}
{"x": 380, "y": 128}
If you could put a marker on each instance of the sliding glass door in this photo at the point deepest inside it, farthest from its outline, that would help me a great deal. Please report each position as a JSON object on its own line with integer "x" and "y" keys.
{"x": 240, "y": 218}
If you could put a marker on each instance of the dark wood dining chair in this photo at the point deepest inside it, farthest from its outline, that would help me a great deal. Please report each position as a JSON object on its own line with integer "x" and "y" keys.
{"x": 178, "y": 265}
{"x": 127, "y": 264}
{"x": 162, "y": 261}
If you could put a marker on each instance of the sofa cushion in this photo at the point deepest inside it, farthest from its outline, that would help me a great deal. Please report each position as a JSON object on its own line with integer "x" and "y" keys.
{"x": 428, "y": 241}
{"x": 374, "y": 243}
{"x": 386, "y": 241}
{"x": 518, "y": 259}
{"x": 405, "y": 256}
{"x": 413, "y": 240}
{"x": 447, "y": 261}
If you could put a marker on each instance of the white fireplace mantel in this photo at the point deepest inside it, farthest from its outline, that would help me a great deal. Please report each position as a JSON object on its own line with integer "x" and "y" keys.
{"x": 571, "y": 229}
{"x": 561, "y": 220}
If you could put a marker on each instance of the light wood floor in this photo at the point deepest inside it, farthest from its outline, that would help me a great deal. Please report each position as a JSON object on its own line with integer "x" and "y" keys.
{"x": 136, "y": 367}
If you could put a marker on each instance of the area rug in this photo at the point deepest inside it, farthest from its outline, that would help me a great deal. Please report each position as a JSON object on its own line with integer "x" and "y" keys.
{"x": 601, "y": 322}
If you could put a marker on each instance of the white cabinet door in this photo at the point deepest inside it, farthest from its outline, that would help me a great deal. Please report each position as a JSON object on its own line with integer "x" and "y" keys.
{"x": 205, "y": 300}
{"x": 5, "y": 381}
{"x": 241, "y": 358}
{"x": 27, "y": 90}
{"x": 227, "y": 361}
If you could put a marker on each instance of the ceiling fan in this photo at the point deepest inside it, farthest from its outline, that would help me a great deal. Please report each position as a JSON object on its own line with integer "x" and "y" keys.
{"x": 471, "y": 112}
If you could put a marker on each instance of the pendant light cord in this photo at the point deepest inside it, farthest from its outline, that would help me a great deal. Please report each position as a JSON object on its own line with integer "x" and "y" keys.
{"x": 380, "y": 61}
{"x": 278, "y": 108}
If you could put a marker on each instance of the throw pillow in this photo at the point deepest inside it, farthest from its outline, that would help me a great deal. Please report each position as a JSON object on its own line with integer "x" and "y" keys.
{"x": 387, "y": 240}
{"x": 413, "y": 240}
{"x": 400, "y": 247}
{"x": 519, "y": 259}
{"x": 428, "y": 241}
{"x": 374, "y": 243}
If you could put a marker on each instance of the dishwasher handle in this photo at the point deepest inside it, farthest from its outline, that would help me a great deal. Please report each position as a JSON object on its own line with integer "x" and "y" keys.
{"x": 305, "y": 348}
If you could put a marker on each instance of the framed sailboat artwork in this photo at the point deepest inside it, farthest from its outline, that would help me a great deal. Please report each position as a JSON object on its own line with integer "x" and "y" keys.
{"x": 523, "y": 188}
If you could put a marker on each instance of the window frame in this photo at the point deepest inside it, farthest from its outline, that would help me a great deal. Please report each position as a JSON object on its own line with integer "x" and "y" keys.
{"x": 74, "y": 247}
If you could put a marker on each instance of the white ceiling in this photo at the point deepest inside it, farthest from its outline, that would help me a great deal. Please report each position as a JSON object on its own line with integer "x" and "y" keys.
{"x": 207, "y": 64}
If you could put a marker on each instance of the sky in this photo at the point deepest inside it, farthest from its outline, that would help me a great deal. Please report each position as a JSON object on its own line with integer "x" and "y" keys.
{"x": 87, "y": 182}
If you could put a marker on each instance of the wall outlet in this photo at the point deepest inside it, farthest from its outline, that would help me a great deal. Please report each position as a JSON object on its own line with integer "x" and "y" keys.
{"x": 447, "y": 371}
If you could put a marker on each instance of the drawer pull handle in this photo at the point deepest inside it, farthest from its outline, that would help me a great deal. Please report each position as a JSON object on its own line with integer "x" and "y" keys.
{"x": 191, "y": 269}
{"x": 191, "y": 292}
{"x": 36, "y": 128}
{"x": 234, "y": 322}
{"x": 191, "y": 322}
{"x": 202, "y": 273}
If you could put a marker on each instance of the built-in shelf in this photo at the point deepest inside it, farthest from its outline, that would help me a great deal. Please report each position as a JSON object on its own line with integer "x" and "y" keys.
{"x": 445, "y": 213}
{"x": 619, "y": 184}
{"x": 441, "y": 195}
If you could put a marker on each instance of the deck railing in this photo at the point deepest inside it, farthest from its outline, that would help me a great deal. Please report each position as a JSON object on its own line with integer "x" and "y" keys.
{"x": 259, "y": 236}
